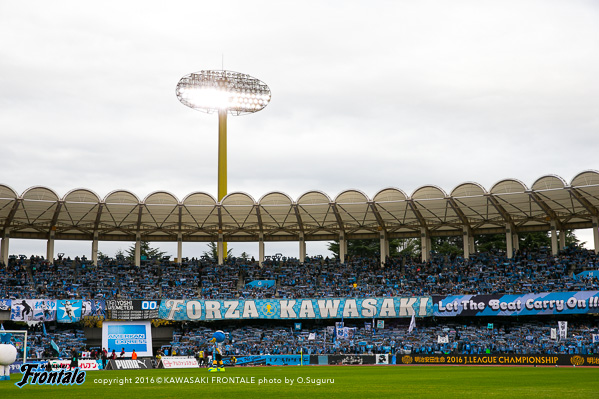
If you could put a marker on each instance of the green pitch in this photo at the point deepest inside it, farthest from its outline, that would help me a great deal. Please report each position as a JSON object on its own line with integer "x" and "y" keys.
{"x": 311, "y": 382}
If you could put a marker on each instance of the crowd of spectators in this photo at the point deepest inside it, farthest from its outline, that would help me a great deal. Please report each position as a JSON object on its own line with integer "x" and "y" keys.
{"x": 262, "y": 339}
{"x": 39, "y": 342}
{"x": 507, "y": 338}
{"x": 483, "y": 273}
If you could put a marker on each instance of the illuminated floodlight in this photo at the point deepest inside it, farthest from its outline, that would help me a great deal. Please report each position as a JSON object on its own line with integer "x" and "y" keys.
{"x": 225, "y": 92}
{"x": 213, "y": 91}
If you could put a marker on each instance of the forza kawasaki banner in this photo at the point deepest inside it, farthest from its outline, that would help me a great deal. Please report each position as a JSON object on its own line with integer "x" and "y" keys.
{"x": 546, "y": 303}
{"x": 292, "y": 309}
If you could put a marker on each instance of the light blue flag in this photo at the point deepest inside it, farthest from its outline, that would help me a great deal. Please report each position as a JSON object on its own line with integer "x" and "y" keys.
{"x": 261, "y": 284}
{"x": 4, "y": 338}
{"x": 54, "y": 346}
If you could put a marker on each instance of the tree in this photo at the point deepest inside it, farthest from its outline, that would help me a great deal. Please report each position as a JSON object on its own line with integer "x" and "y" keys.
{"x": 489, "y": 242}
{"x": 145, "y": 250}
{"x": 409, "y": 247}
{"x": 212, "y": 252}
{"x": 452, "y": 245}
{"x": 372, "y": 248}
{"x": 543, "y": 239}
{"x": 534, "y": 240}
{"x": 571, "y": 239}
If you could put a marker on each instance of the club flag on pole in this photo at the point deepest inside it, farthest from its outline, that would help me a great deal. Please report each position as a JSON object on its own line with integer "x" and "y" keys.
{"x": 412, "y": 323}
{"x": 44, "y": 329}
{"x": 562, "y": 328}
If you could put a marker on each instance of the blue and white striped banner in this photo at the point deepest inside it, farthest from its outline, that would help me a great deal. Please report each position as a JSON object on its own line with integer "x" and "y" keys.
{"x": 545, "y": 303}
{"x": 292, "y": 309}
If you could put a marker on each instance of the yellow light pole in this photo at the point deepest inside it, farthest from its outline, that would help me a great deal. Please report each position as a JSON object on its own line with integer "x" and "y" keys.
{"x": 222, "y": 154}
{"x": 222, "y": 162}
{"x": 225, "y": 92}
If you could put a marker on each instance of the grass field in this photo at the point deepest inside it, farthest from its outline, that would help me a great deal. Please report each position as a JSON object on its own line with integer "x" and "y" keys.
{"x": 347, "y": 382}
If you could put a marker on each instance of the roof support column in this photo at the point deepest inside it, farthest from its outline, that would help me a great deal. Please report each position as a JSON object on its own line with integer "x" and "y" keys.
{"x": 595, "y": 233}
{"x": 387, "y": 246}
{"x": 429, "y": 245}
{"x": 384, "y": 245}
{"x": 137, "y": 249}
{"x": 467, "y": 238}
{"x": 562, "y": 239}
{"x": 4, "y": 245}
{"x": 95, "y": 249}
{"x": 516, "y": 240}
{"x": 342, "y": 248}
{"x": 180, "y": 247}
{"x": 509, "y": 240}
{"x": 220, "y": 249}
{"x": 50, "y": 247}
{"x": 260, "y": 249}
{"x": 554, "y": 248}
{"x": 302, "y": 248}
{"x": 425, "y": 244}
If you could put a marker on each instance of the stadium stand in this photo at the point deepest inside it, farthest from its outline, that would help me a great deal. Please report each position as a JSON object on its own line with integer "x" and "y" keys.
{"x": 260, "y": 339}
{"x": 482, "y": 273}
{"x": 510, "y": 338}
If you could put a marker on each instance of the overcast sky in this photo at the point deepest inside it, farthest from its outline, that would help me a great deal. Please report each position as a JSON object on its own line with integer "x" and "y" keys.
{"x": 365, "y": 95}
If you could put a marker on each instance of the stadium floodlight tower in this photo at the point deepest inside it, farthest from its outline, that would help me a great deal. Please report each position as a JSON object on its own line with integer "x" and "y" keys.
{"x": 225, "y": 92}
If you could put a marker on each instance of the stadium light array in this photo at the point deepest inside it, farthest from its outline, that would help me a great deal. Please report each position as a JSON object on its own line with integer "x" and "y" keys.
{"x": 225, "y": 92}
{"x": 211, "y": 91}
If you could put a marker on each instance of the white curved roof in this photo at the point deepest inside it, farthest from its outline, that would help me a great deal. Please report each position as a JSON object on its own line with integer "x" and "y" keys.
{"x": 161, "y": 216}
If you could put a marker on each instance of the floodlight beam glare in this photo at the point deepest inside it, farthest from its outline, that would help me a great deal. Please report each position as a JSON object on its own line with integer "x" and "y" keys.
{"x": 210, "y": 91}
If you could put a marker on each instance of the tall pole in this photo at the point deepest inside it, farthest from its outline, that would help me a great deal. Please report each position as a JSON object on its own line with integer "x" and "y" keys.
{"x": 222, "y": 162}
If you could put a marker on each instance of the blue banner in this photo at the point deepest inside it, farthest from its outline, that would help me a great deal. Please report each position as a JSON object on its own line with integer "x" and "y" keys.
{"x": 271, "y": 360}
{"x": 547, "y": 303}
{"x": 289, "y": 360}
{"x": 69, "y": 311}
{"x": 261, "y": 284}
{"x": 5, "y": 304}
{"x": 16, "y": 366}
{"x": 33, "y": 310}
{"x": 127, "y": 336}
{"x": 93, "y": 307}
{"x": 293, "y": 309}
{"x": 588, "y": 274}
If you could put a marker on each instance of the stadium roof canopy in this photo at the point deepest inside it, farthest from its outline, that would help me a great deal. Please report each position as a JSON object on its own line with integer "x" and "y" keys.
{"x": 121, "y": 215}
